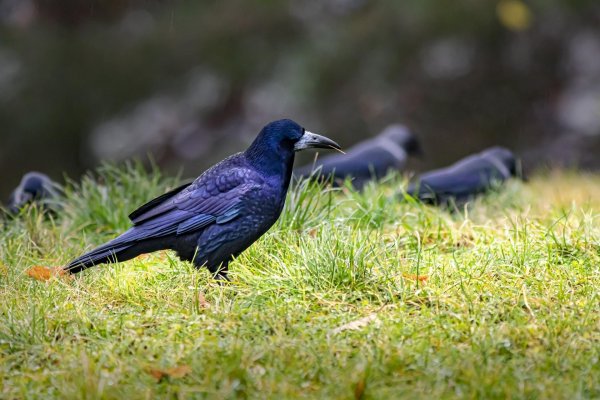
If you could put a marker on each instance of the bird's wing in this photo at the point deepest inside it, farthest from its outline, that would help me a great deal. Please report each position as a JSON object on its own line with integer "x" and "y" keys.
{"x": 155, "y": 202}
{"x": 454, "y": 184}
{"x": 459, "y": 181}
{"x": 215, "y": 197}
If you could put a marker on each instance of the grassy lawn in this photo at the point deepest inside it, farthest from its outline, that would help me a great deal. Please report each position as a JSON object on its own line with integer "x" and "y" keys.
{"x": 350, "y": 295}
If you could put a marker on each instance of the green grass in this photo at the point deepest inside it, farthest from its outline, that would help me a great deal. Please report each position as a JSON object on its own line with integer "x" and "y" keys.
{"x": 510, "y": 307}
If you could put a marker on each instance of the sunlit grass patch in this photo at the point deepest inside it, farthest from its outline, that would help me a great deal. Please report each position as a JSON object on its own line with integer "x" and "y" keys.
{"x": 349, "y": 294}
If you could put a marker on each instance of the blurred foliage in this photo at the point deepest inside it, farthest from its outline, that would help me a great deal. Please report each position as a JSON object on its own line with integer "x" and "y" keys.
{"x": 514, "y": 15}
{"x": 192, "y": 81}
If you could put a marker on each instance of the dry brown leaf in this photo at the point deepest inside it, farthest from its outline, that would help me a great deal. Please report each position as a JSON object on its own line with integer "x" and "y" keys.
{"x": 161, "y": 255}
{"x": 359, "y": 389}
{"x": 42, "y": 273}
{"x": 413, "y": 277}
{"x": 179, "y": 372}
{"x": 202, "y": 303}
{"x": 173, "y": 372}
{"x": 157, "y": 374}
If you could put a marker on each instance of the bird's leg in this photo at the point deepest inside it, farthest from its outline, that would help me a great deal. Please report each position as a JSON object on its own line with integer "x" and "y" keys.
{"x": 220, "y": 273}
{"x": 222, "y": 277}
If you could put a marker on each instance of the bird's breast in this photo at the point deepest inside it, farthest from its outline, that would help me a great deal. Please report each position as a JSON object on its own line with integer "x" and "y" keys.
{"x": 267, "y": 203}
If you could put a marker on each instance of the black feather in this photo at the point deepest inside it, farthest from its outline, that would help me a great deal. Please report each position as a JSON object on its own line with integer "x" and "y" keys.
{"x": 153, "y": 203}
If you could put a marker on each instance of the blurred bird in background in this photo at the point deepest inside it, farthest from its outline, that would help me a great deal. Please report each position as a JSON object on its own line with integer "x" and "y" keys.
{"x": 368, "y": 160}
{"x": 466, "y": 178}
{"x": 35, "y": 187}
{"x": 453, "y": 71}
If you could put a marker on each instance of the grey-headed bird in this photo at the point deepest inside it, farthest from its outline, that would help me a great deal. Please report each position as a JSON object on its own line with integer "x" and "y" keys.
{"x": 368, "y": 160}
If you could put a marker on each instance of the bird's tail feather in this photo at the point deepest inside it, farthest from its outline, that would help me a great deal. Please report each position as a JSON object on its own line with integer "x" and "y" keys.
{"x": 122, "y": 248}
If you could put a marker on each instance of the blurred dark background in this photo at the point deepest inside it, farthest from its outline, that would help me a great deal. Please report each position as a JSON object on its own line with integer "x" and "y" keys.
{"x": 192, "y": 81}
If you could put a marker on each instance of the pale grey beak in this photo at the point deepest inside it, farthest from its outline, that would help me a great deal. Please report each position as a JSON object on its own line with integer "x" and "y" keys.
{"x": 312, "y": 140}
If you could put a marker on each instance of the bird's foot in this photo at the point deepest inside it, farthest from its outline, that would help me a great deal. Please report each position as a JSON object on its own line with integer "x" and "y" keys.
{"x": 222, "y": 278}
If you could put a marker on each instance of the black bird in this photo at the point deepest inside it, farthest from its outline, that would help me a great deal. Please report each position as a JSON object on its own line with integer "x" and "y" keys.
{"x": 221, "y": 213}
{"x": 367, "y": 160}
{"x": 466, "y": 178}
{"x": 34, "y": 187}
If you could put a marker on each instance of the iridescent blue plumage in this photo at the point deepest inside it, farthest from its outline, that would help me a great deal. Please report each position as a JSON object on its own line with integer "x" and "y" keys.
{"x": 222, "y": 212}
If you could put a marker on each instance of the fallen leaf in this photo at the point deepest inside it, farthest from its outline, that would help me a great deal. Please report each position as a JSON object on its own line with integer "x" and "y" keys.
{"x": 42, "y": 273}
{"x": 39, "y": 273}
{"x": 414, "y": 277}
{"x": 173, "y": 372}
{"x": 202, "y": 301}
{"x": 161, "y": 255}
{"x": 354, "y": 325}
{"x": 157, "y": 373}
{"x": 359, "y": 389}
{"x": 179, "y": 372}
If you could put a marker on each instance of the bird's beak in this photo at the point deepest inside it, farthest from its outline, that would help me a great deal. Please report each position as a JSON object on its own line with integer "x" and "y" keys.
{"x": 418, "y": 151}
{"x": 520, "y": 172}
{"x": 312, "y": 140}
{"x": 413, "y": 147}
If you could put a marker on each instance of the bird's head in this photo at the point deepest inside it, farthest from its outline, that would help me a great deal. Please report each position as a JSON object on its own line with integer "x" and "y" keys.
{"x": 404, "y": 138}
{"x": 506, "y": 158}
{"x": 34, "y": 183}
{"x": 279, "y": 140}
{"x": 34, "y": 186}
{"x": 287, "y": 135}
